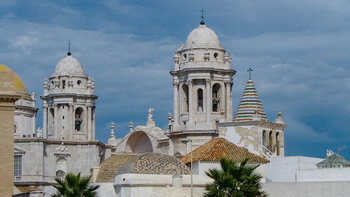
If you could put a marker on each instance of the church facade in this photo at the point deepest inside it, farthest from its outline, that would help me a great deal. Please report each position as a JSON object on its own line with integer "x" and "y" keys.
{"x": 202, "y": 110}
{"x": 202, "y": 84}
{"x": 66, "y": 143}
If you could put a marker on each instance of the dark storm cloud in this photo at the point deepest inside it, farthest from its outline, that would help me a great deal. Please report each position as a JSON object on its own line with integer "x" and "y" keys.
{"x": 298, "y": 50}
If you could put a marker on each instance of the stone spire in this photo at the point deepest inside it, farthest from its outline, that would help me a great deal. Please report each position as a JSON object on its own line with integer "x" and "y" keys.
{"x": 112, "y": 140}
{"x": 250, "y": 103}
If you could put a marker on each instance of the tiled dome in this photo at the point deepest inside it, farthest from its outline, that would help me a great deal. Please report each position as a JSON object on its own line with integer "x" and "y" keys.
{"x": 154, "y": 163}
{"x": 250, "y": 102}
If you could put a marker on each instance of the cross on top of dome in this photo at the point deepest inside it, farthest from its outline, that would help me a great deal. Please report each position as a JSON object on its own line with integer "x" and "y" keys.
{"x": 202, "y": 21}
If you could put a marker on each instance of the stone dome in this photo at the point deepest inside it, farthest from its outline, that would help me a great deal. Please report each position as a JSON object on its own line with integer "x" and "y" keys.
{"x": 69, "y": 66}
{"x": 18, "y": 85}
{"x": 154, "y": 163}
{"x": 203, "y": 36}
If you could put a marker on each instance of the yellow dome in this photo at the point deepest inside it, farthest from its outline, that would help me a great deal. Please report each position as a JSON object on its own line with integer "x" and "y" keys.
{"x": 18, "y": 84}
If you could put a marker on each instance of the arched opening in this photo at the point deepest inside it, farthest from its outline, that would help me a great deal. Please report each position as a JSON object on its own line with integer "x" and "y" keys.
{"x": 200, "y": 100}
{"x": 139, "y": 142}
{"x": 61, "y": 167}
{"x": 185, "y": 98}
{"x": 78, "y": 119}
{"x": 270, "y": 141}
{"x": 60, "y": 174}
{"x": 216, "y": 97}
{"x": 264, "y": 138}
{"x": 278, "y": 144}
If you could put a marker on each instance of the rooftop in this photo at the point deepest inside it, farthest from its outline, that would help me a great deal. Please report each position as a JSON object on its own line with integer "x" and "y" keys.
{"x": 218, "y": 148}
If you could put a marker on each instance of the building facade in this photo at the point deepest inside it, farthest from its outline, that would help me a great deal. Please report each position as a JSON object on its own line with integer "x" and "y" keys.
{"x": 66, "y": 143}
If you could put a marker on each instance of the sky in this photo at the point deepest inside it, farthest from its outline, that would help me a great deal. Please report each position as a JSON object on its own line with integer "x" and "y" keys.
{"x": 299, "y": 51}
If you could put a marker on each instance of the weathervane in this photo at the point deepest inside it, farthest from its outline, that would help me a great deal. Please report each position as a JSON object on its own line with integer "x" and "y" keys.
{"x": 69, "y": 43}
{"x": 202, "y": 21}
{"x": 250, "y": 70}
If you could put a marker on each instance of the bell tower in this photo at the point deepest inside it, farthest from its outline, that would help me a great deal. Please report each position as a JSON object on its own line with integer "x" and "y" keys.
{"x": 202, "y": 82}
{"x": 69, "y": 102}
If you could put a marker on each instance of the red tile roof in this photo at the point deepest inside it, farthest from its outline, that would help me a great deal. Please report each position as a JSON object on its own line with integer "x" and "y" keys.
{"x": 218, "y": 148}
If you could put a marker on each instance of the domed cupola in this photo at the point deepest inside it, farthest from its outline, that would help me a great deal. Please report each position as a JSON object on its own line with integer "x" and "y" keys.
{"x": 202, "y": 37}
{"x": 202, "y": 82}
{"x": 69, "y": 102}
{"x": 202, "y": 50}
{"x": 69, "y": 66}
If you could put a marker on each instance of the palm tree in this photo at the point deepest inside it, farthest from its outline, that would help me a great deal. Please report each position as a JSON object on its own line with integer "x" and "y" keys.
{"x": 75, "y": 186}
{"x": 234, "y": 180}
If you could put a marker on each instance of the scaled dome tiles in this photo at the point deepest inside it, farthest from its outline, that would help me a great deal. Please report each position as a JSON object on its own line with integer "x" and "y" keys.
{"x": 154, "y": 163}
{"x": 18, "y": 85}
{"x": 219, "y": 148}
{"x": 250, "y": 103}
{"x": 69, "y": 66}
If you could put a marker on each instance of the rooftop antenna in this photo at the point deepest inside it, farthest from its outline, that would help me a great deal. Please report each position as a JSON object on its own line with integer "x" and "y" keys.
{"x": 250, "y": 70}
{"x": 69, "y": 43}
{"x": 202, "y": 21}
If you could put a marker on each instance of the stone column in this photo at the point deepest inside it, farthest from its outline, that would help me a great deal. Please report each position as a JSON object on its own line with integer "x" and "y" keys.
{"x": 89, "y": 133}
{"x": 73, "y": 119}
{"x": 273, "y": 143}
{"x": 208, "y": 99}
{"x": 176, "y": 104}
{"x": 69, "y": 122}
{"x": 93, "y": 122}
{"x": 223, "y": 100}
{"x": 190, "y": 101}
{"x": 228, "y": 100}
{"x": 55, "y": 121}
{"x": 45, "y": 134}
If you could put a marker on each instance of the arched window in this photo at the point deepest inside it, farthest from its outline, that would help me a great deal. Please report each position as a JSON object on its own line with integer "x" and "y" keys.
{"x": 15, "y": 128}
{"x": 60, "y": 174}
{"x": 199, "y": 100}
{"x": 216, "y": 97}
{"x": 185, "y": 98}
{"x": 264, "y": 138}
{"x": 52, "y": 120}
{"x": 78, "y": 119}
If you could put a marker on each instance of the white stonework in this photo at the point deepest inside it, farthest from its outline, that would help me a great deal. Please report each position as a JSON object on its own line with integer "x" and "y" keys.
{"x": 66, "y": 144}
{"x": 25, "y": 117}
{"x": 202, "y": 83}
{"x": 69, "y": 102}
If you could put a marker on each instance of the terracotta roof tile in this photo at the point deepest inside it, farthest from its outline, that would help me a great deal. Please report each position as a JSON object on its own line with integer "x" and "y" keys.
{"x": 110, "y": 166}
{"x": 217, "y": 148}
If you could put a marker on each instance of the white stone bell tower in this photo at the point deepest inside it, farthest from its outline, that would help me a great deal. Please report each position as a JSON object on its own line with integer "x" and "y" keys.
{"x": 69, "y": 102}
{"x": 202, "y": 82}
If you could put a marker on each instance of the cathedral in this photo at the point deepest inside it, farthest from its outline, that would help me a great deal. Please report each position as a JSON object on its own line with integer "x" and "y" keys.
{"x": 202, "y": 79}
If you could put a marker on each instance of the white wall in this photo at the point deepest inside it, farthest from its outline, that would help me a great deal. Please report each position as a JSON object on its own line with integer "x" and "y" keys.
{"x": 324, "y": 174}
{"x": 284, "y": 169}
{"x": 308, "y": 189}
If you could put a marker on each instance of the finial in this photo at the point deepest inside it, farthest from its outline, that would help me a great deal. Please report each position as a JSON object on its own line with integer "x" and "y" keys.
{"x": 279, "y": 119}
{"x": 250, "y": 70}
{"x": 202, "y": 21}
{"x": 131, "y": 125}
{"x": 69, "y": 43}
{"x": 112, "y": 129}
